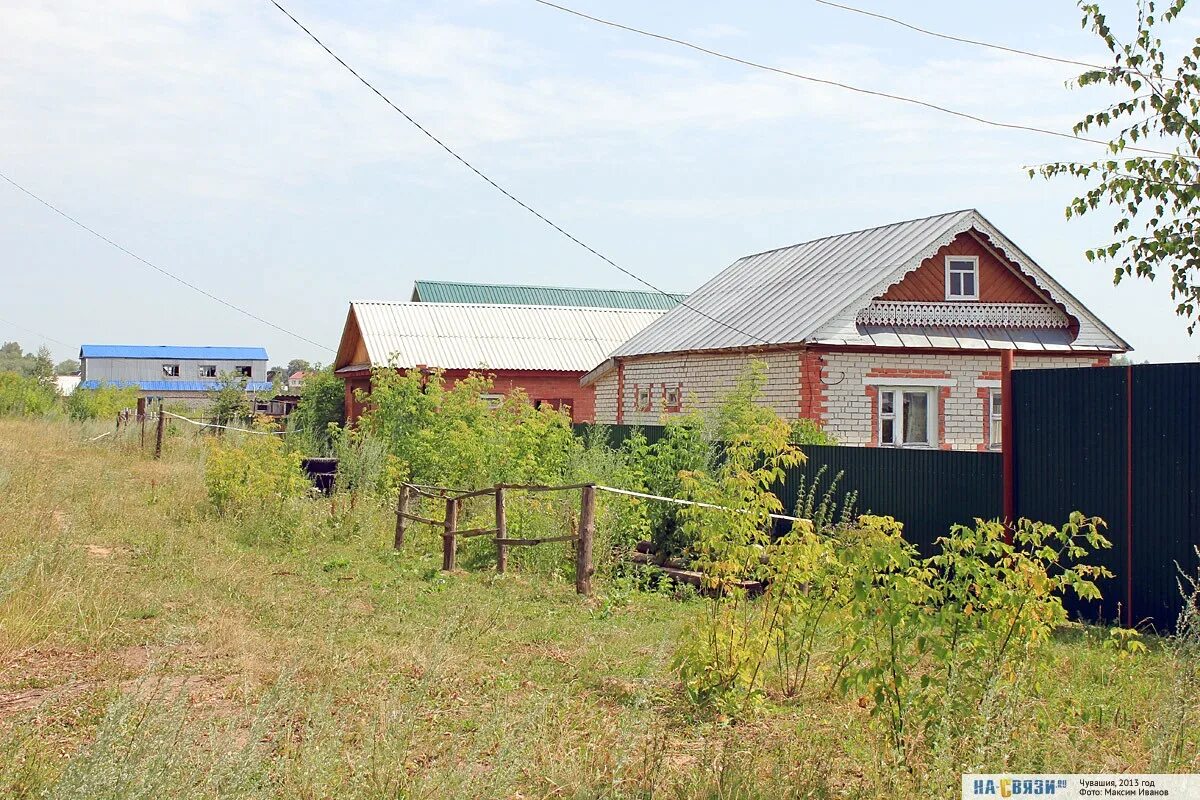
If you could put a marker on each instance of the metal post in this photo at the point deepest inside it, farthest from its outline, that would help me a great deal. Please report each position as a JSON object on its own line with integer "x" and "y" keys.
{"x": 501, "y": 531}
{"x": 583, "y": 547}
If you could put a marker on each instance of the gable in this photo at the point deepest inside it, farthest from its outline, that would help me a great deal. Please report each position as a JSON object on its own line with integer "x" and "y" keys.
{"x": 999, "y": 281}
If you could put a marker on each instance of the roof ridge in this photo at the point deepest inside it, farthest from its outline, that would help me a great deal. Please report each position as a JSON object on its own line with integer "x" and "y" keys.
{"x": 444, "y": 304}
{"x": 551, "y": 288}
{"x": 860, "y": 230}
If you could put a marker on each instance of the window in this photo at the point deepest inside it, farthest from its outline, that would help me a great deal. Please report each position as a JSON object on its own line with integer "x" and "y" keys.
{"x": 492, "y": 400}
{"x": 962, "y": 278}
{"x": 642, "y": 398}
{"x": 242, "y": 371}
{"x": 208, "y": 370}
{"x": 672, "y": 398}
{"x": 170, "y": 370}
{"x": 907, "y": 417}
{"x": 994, "y": 418}
{"x": 556, "y": 403}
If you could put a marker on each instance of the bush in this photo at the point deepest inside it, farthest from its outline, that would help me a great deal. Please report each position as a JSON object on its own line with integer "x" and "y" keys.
{"x": 22, "y": 396}
{"x": 252, "y": 473}
{"x": 322, "y": 405}
{"x": 103, "y": 402}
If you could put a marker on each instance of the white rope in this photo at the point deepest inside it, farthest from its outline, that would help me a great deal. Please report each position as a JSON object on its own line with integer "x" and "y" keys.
{"x": 101, "y": 436}
{"x": 225, "y": 427}
{"x": 679, "y": 502}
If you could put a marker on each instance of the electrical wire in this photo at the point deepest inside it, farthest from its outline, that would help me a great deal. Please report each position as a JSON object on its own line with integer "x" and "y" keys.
{"x": 849, "y": 87}
{"x": 159, "y": 269}
{"x": 495, "y": 185}
{"x": 35, "y": 333}
{"x": 962, "y": 39}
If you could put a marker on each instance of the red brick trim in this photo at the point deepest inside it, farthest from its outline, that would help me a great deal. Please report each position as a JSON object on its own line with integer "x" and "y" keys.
{"x": 676, "y": 407}
{"x": 904, "y": 372}
{"x": 1103, "y": 361}
{"x": 943, "y": 394}
{"x": 872, "y": 393}
{"x": 620, "y": 393}
{"x": 812, "y": 386}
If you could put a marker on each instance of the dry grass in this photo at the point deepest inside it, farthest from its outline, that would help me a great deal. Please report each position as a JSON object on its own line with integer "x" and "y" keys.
{"x": 149, "y": 648}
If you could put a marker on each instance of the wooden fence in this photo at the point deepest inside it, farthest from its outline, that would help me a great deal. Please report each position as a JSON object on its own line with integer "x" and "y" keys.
{"x": 453, "y": 499}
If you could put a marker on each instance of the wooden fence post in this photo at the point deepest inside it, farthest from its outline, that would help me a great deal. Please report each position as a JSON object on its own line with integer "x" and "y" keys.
{"x": 449, "y": 540}
{"x": 158, "y": 434}
{"x": 583, "y": 547}
{"x": 501, "y": 532}
{"x": 401, "y": 518}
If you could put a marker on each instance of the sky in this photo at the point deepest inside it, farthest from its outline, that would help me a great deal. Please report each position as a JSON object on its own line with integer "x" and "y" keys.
{"x": 216, "y": 141}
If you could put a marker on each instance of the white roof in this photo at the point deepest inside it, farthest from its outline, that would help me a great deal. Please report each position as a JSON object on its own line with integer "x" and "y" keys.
{"x": 812, "y": 292}
{"x": 498, "y": 337}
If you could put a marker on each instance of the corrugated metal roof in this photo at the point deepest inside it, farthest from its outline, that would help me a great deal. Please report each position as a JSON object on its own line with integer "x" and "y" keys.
{"x": 466, "y": 336}
{"x": 812, "y": 291}
{"x": 169, "y": 351}
{"x": 502, "y": 294}
{"x": 175, "y": 386}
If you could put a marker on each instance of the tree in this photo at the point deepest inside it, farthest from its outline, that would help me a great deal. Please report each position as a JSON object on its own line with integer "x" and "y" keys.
{"x": 298, "y": 365}
{"x": 66, "y": 367}
{"x": 229, "y": 404}
{"x": 14, "y": 359}
{"x": 322, "y": 402}
{"x": 1158, "y": 196}
{"x": 41, "y": 366}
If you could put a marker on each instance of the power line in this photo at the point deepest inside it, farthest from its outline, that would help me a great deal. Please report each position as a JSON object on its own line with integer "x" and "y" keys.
{"x": 159, "y": 269}
{"x": 35, "y": 333}
{"x": 846, "y": 86}
{"x": 961, "y": 39}
{"x": 478, "y": 172}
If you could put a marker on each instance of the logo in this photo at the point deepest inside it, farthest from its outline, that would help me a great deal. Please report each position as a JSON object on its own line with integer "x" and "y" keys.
{"x": 1000, "y": 786}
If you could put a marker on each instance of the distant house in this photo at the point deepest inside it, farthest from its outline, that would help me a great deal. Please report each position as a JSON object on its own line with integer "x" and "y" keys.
{"x": 295, "y": 381}
{"x": 172, "y": 373}
{"x": 890, "y": 336}
{"x": 542, "y": 349}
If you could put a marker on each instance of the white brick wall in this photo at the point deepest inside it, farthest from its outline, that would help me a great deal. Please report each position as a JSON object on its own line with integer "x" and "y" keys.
{"x": 705, "y": 379}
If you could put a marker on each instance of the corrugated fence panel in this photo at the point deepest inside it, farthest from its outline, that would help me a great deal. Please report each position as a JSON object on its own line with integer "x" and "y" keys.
{"x": 1070, "y": 455}
{"x": 1166, "y": 498}
{"x": 927, "y": 490}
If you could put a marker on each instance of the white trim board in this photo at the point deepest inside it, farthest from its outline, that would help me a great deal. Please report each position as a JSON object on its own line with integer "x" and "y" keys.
{"x": 884, "y": 381}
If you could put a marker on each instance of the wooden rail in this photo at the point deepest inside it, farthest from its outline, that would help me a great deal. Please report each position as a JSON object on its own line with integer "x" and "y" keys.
{"x": 582, "y": 537}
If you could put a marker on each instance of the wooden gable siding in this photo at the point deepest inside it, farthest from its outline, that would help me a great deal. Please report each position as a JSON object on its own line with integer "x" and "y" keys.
{"x": 998, "y": 282}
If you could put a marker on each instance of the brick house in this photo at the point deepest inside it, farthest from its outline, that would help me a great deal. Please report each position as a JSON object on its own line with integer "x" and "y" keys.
{"x": 890, "y": 336}
{"x": 543, "y": 349}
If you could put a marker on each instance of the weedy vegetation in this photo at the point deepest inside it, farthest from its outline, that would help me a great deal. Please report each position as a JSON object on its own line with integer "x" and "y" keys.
{"x": 209, "y": 626}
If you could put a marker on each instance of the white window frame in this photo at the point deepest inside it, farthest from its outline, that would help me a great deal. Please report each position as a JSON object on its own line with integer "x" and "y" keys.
{"x": 897, "y": 416}
{"x": 995, "y": 412}
{"x": 960, "y": 269}
{"x": 205, "y": 370}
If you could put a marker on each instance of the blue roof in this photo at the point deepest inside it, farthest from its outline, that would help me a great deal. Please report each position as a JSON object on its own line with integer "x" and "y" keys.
{"x": 167, "y": 351}
{"x": 174, "y": 386}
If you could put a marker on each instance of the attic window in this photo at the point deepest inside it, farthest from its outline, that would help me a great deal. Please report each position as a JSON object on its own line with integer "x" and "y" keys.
{"x": 170, "y": 370}
{"x": 962, "y": 277}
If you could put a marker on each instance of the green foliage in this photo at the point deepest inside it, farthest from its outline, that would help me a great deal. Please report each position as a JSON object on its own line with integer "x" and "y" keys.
{"x": 22, "y": 396}
{"x": 321, "y": 410}
{"x": 252, "y": 473}
{"x": 1160, "y": 196}
{"x": 824, "y": 511}
{"x": 228, "y": 402}
{"x": 457, "y": 437}
{"x": 809, "y": 431}
{"x": 67, "y": 366}
{"x": 13, "y": 359}
{"x": 103, "y": 402}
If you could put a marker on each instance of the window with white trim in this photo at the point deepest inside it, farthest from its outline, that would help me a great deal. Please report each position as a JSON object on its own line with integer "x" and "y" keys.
{"x": 907, "y": 416}
{"x": 995, "y": 418}
{"x": 962, "y": 277}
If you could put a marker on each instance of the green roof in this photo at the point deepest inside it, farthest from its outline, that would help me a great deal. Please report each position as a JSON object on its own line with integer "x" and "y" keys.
{"x": 500, "y": 294}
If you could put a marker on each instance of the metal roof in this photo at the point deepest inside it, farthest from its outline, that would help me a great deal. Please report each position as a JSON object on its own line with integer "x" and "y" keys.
{"x": 174, "y": 386}
{"x": 499, "y": 337}
{"x": 812, "y": 291}
{"x": 502, "y": 294}
{"x": 168, "y": 351}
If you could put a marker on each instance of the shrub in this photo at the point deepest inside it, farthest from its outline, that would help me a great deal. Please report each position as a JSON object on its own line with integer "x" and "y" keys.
{"x": 808, "y": 431}
{"x": 22, "y": 396}
{"x": 252, "y": 473}
{"x": 322, "y": 405}
{"x": 103, "y": 402}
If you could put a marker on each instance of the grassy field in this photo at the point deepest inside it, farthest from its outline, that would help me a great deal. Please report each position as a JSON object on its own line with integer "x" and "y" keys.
{"x": 151, "y": 648}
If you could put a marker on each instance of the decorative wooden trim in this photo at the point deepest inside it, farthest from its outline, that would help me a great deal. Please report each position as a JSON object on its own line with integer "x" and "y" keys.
{"x": 963, "y": 313}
